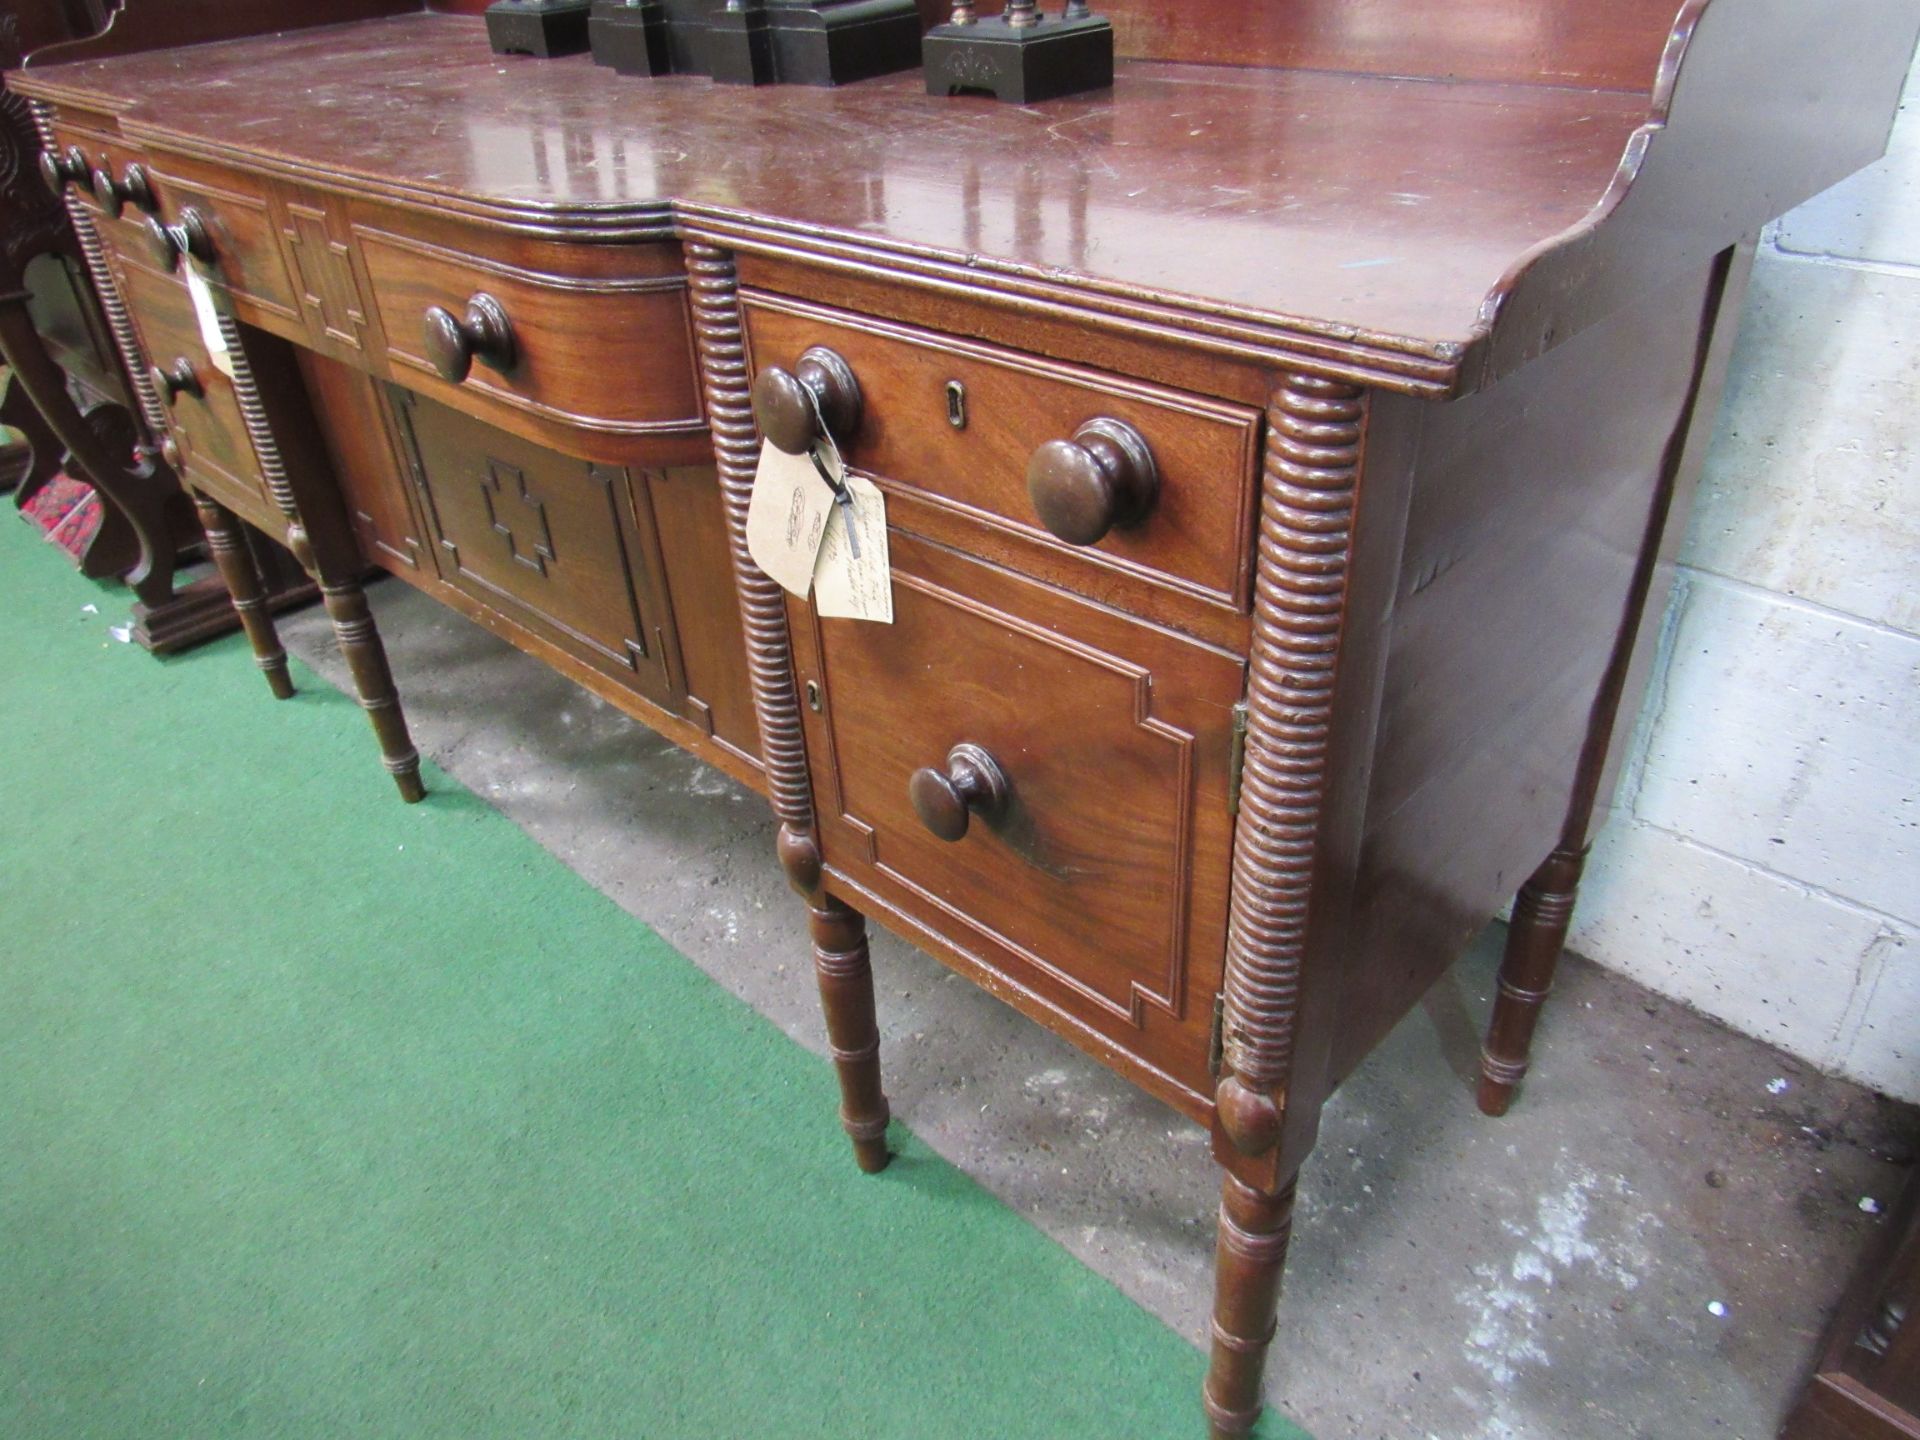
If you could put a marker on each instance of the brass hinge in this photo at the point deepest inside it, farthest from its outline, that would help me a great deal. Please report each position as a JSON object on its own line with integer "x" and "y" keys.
{"x": 1217, "y": 1041}
{"x": 1237, "y": 758}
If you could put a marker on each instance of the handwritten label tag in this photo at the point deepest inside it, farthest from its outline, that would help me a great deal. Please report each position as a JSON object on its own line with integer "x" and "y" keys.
{"x": 205, "y": 311}
{"x": 787, "y": 517}
{"x": 854, "y": 581}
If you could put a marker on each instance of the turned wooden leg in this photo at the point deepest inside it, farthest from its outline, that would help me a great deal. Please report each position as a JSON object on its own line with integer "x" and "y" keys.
{"x": 1249, "y": 1255}
{"x": 1541, "y": 914}
{"x": 845, "y": 974}
{"x": 233, "y": 557}
{"x": 366, "y": 657}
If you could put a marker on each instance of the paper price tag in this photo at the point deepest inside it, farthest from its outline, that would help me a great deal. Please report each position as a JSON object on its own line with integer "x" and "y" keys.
{"x": 854, "y": 581}
{"x": 787, "y": 518}
{"x": 205, "y": 311}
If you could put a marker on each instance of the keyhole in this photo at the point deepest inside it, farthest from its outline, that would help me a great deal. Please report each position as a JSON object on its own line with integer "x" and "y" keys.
{"x": 956, "y": 405}
{"x": 813, "y": 697}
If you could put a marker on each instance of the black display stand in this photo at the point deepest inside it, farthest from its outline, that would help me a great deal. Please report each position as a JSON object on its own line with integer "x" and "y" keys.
{"x": 758, "y": 42}
{"x": 538, "y": 27}
{"x": 1022, "y": 56}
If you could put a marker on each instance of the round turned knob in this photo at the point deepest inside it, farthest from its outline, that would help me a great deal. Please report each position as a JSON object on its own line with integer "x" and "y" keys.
{"x": 170, "y": 452}
{"x": 113, "y": 195}
{"x": 60, "y": 171}
{"x": 167, "y": 243}
{"x": 454, "y": 342}
{"x": 972, "y": 784}
{"x": 1104, "y": 476}
{"x": 788, "y": 406}
{"x": 176, "y": 380}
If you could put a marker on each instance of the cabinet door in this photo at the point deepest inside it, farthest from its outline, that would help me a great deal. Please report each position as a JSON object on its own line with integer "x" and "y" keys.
{"x": 561, "y": 547}
{"x": 1087, "y": 876}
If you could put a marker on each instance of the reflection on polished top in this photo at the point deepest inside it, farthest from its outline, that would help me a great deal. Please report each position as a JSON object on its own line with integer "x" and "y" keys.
{"x": 1341, "y": 205}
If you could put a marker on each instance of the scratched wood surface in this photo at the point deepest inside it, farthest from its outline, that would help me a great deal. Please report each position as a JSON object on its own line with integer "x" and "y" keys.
{"x": 1396, "y": 204}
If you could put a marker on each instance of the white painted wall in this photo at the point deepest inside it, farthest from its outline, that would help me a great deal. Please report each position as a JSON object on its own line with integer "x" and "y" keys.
{"x": 1763, "y": 859}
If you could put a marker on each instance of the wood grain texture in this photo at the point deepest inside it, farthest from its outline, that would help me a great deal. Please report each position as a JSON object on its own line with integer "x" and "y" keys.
{"x": 1115, "y": 741}
{"x": 695, "y": 550}
{"x": 1470, "y": 223}
{"x": 207, "y": 426}
{"x": 1206, "y": 453}
{"x": 594, "y": 354}
{"x": 1156, "y": 185}
{"x": 1515, "y": 593}
{"x": 565, "y": 547}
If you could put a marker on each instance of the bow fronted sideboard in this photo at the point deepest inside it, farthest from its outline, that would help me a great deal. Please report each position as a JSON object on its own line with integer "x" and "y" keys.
{"x": 1283, "y": 453}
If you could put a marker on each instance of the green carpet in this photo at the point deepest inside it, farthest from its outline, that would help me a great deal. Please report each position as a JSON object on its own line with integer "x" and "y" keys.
{"x": 325, "y": 1116}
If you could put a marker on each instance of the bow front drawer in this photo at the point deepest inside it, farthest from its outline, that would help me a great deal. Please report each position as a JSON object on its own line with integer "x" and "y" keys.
{"x": 587, "y": 348}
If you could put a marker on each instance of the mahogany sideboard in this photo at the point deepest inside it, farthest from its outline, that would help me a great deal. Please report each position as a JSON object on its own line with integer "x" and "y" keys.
{"x": 1284, "y": 452}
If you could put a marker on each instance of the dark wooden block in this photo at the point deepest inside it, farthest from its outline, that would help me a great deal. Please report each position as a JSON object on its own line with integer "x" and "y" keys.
{"x": 1021, "y": 65}
{"x": 739, "y": 47}
{"x": 837, "y": 43}
{"x": 538, "y": 27}
{"x": 631, "y": 37}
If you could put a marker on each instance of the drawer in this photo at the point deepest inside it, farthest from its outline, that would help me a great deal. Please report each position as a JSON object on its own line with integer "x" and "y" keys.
{"x": 563, "y": 548}
{"x": 1096, "y": 888}
{"x": 954, "y": 425}
{"x": 585, "y": 347}
{"x": 207, "y": 425}
{"x": 238, "y": 216}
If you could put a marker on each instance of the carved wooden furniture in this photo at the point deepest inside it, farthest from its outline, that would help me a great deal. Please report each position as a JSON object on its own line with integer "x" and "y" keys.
{"x": 1866, "y": 1383}
{"x": 1284, "y": 454}
{"x": 72, "y": 396}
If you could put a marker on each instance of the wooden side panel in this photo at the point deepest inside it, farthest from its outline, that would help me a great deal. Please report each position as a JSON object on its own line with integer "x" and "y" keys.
{"x": 372, "y": 481}
{"x": 687, "y": 507}
{"x": 1530, "y": 507}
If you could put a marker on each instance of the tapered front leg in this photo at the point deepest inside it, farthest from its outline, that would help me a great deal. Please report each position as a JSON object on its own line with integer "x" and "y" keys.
{"x": 1541, "y": 914}
{"x": 234, "y": 560}
{"x": 366, "y": 658}
{"x": 845, "y": 973}
{"x": 1249, "y": 1256}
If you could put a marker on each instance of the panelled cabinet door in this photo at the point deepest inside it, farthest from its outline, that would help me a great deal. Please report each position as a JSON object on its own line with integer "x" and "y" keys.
{"x": 202, "y": 410}
{"x": 564, "y": 548}
{"x": 1041, "y": 782}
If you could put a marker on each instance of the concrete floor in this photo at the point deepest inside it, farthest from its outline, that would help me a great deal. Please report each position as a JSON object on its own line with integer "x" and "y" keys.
{"x": 1548, "y": 1275}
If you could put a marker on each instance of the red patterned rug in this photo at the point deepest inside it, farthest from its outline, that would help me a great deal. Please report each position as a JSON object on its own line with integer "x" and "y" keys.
{"x": 67, "y": 512}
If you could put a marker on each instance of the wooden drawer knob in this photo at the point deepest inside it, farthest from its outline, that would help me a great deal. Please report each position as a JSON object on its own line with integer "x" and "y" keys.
{"x": 483, "y": 333}
{"x": 60, "y": 171}
{"x": 788, "y": 406}
{"x": 972, "y": 784}
{"x": 113, "y": 195}
{"x": 167, "y": 243}
{"x": 176, "y": 380}
{"x": 1104, "y": 476}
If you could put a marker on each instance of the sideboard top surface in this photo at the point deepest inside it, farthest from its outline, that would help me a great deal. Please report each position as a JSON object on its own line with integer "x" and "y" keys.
{"x": 1378, "y": 216}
